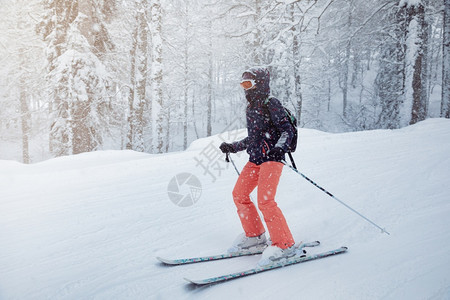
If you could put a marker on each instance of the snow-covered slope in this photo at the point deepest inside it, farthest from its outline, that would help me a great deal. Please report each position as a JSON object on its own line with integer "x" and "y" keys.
{"x": 90, "y": 226}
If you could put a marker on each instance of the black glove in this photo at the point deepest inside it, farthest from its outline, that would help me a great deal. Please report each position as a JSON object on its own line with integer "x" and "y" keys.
{"x": 227, "y": 148}
{"x": 276, "y": 153}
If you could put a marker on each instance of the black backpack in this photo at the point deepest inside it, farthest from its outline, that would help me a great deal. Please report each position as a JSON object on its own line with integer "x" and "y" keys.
{"x": 293, "y": 121}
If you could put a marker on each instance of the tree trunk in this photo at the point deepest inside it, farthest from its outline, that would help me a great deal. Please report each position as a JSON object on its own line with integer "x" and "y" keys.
{"x": 345, "y": 80}
{"x": 141, "y": 82}
{"x": 210, "y": 80}
{"x": 297, "y": 68}
{"x": 131, "y": 114}
{"x": 157, "y": 72}
{"x": 257, "y": 49}
{"x": 139, "y": 69}
{"x": 25, "y": 118}
{"x": 186, "y": 78}
{"x": 389, "y": 83}
{"x": 419, "y": 105}
{"x": 445, "y": 101}
{"x": 346, "y": 67}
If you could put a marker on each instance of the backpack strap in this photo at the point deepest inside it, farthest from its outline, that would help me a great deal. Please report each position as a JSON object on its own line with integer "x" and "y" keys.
{"x": 268, "y": 99}
{"x": 266, "y": 102}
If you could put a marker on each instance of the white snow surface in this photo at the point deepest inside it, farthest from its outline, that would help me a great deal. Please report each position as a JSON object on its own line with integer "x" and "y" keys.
{"x": 90, "y": 226}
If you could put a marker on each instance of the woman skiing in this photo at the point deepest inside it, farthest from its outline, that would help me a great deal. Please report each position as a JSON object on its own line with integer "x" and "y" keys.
{"x": 269, "y": 135}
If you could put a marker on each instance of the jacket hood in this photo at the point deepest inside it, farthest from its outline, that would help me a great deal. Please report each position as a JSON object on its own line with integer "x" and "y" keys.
{"x": 262, "y": 80}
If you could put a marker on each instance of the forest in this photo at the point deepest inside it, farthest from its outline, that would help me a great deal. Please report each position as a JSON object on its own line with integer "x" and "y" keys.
{"x": 154, "y": 75}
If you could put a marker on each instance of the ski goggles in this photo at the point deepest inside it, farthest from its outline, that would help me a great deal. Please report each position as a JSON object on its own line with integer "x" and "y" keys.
{"x": 247, "y": 84}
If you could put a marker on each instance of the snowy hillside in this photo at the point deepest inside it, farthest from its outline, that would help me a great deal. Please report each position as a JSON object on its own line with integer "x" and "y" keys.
{"x": 90, "y": 226}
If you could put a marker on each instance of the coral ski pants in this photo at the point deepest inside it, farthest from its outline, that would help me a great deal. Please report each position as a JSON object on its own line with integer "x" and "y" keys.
{"x": 266, "y": 176}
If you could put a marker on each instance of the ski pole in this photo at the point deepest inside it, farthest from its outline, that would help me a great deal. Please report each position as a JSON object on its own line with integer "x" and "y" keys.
{"x": 334, "y": 197}
{"x": 228, "y": 159}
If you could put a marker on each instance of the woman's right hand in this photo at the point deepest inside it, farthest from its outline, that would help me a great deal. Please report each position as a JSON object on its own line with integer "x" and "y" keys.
{"x": 227, "y": 148}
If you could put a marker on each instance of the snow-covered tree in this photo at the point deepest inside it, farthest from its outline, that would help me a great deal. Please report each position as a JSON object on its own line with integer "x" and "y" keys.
{"x": 153, "y": 76}
{"x": 137, "y": 118}
{"x": 157, "y": 69}
{"x": 389, "y": 82}
{"x": 74, "y": 34}
{"x": 415, "y": 61}
{"x": 21, "y": 73}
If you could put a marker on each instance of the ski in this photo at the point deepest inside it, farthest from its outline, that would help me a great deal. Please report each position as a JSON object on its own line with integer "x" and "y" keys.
{"x": 192, "y": 260}
{"x": 185, "y": 261}
{"x": 292, "y": 261}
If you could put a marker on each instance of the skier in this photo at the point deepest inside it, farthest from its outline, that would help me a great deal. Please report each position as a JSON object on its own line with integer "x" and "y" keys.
{"x": 269, "y": 135}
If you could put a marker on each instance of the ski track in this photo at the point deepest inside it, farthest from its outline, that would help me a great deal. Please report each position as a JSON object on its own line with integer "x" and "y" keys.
{"x": 90, "y": 226}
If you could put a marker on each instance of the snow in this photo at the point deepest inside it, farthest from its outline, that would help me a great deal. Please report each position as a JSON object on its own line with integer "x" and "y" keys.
{"x": 90, "y": 226}
{"x": 409, "y": 3}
